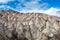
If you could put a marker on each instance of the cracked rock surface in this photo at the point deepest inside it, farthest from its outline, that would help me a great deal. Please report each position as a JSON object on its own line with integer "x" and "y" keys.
{"x": 30, "y": 26}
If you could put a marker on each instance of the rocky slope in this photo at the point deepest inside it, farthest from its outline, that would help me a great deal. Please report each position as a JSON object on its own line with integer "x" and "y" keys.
{"x": 30, "y": 26}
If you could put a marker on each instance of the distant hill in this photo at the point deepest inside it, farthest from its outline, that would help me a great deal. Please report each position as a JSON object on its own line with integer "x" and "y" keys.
{"x": 29, "y": 26}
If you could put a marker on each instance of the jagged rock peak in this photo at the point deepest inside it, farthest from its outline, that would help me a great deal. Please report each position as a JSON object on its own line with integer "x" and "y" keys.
{"x": 30, "y": 26}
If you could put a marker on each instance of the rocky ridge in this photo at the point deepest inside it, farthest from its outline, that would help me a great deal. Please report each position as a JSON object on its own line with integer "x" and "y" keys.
{"x": 30, "y": 26}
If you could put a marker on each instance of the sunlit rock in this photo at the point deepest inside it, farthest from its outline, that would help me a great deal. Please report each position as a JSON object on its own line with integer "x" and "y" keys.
{"x": 30, "y": 26}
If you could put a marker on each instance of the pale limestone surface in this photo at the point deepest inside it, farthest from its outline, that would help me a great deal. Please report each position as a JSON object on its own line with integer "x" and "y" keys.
{"x": 31, "y": 26}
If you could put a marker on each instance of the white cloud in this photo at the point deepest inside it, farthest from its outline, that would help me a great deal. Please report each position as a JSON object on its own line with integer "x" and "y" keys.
{"x": 52, "y": 11}
{"x": 5, "y": 7}
{"x": 34, "y": 5}
{"x": 5, "y": 1}
{"x": 2, "y": 6}
{"x": 31, "y": 5}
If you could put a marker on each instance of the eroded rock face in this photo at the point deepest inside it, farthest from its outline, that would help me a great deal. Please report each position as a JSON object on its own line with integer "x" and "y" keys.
{"x": 31, "y": 26}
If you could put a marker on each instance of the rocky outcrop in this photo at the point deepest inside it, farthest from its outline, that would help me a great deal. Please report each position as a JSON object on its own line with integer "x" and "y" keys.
{"x": 31, "y": 26}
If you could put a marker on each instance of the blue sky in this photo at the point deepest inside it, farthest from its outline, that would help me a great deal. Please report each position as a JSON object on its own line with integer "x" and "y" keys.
{"x": 51, "y": 7}
{"x": 29, "y": 4}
